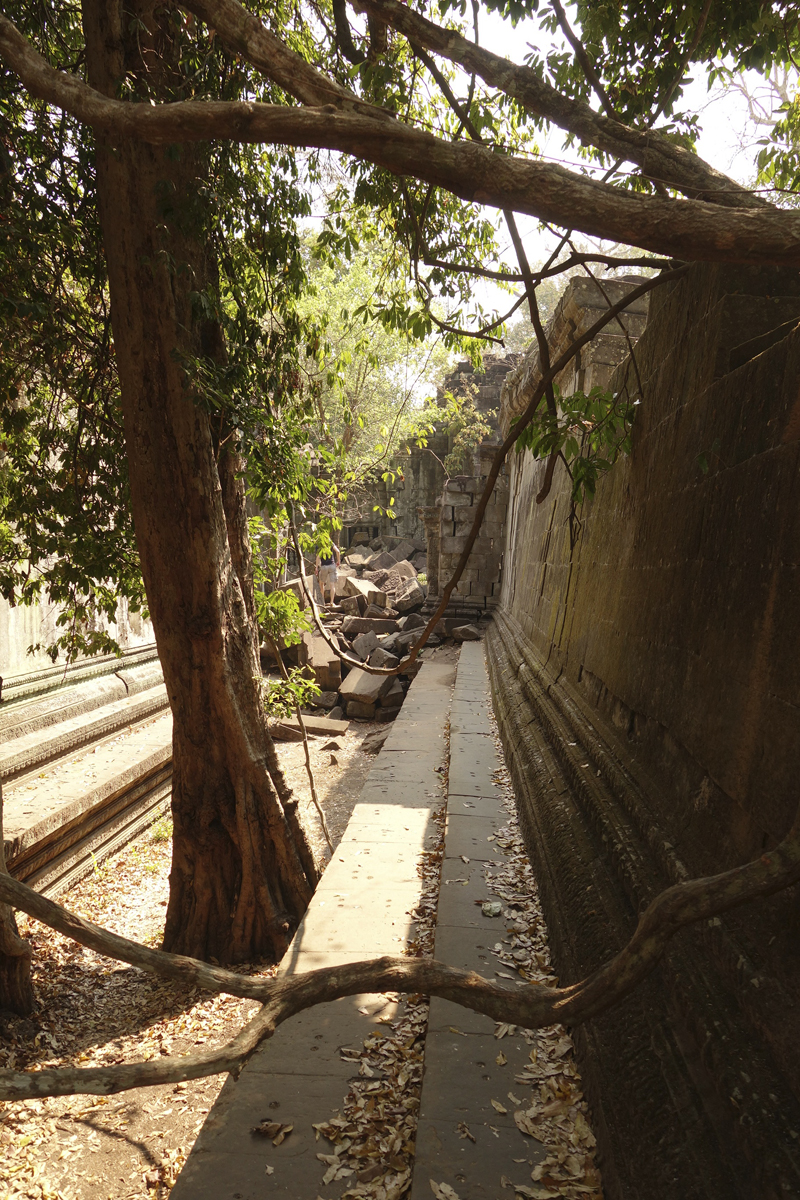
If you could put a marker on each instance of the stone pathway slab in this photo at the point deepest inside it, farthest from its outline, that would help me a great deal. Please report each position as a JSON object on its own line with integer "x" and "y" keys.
{"x": 464, "y": 1086}
{"x": 360, "y": 910}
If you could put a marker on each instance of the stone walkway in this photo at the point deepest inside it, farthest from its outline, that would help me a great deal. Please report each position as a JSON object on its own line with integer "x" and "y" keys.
{"x": 462, "y": 1076}
{"x": 361, "y": 910}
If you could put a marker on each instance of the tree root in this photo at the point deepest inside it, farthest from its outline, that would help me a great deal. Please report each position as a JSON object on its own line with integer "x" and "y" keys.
{"x": 532, "y": 1006}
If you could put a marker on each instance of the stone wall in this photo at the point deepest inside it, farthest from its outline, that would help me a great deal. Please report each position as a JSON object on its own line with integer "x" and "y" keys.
{"x": 648, "y": 696}
{"x": 420, "y": 475}
{"x": 36, "y": 624}
{"x": 447, "y": 513}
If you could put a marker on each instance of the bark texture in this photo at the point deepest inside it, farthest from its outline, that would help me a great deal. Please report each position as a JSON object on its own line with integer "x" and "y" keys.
{"x": 16, "y": 990}
{"x": 242, "y": 871}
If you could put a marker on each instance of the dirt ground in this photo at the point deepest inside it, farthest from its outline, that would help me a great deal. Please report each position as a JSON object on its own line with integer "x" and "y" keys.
{"x": 92, "y": 1011}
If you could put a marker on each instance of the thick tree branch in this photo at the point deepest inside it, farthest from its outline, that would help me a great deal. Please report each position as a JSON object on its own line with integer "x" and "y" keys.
{"x": 244, "y": 33}
{"x": 532, "y": 1006}
{"x": 653, "y": 152}
{"x": 687, "y": 229}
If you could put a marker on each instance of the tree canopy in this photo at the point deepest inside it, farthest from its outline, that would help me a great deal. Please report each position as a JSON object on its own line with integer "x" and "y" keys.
{"x": 433, "y": 128}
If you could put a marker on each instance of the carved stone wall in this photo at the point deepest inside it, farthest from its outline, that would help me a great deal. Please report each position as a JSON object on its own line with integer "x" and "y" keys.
{"x": 649, "y": 700}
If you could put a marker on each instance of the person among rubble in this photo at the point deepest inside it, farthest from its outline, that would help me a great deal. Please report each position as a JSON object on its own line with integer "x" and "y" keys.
{"x": 326, "y": 572}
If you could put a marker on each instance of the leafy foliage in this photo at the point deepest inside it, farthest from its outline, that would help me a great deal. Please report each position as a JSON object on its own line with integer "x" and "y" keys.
{"x": 283, "y": 623}
{"x": 588, "y": 432}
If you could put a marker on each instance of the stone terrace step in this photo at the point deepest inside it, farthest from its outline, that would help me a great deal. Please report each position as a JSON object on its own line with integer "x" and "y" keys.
{"x": 40, "y": 746}
{"x": 83, "y": 807}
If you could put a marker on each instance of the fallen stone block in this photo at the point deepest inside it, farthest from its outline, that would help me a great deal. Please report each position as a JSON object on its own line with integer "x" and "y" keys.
{"x": 412, "y": 670}
{"x": 379, "y": 614}
{"x": 360, "y": 685}
{"x": 393, "y": 696}
{"x": 403, "y": 550}
{"x": 296, "y": 587}
{"x": 402, "y": 570}
{"x": 378, "y": 598}
{"x": 365, "y": 643}
{"x": 420, "y": 563}
{"x": 354, "y": 625}
{"x": 408, "y": 638}
{"x": 466, "y": 633}
{"x": 351, "y": 605}
{"x": 383, "y": 560}
{"x": 387, "y": 714}
{"x": 382, "y": 658}
{"x": 411, "y": 596}
{"x": 389, "y": 643}
{"x": 412, "y": 621}
{"x": 327, "y": 699}
{"x": 360, "y": 711}
{"x": 336, "y": 714}
{"x": 357, "y": 558}
{"x": 357, "y": 587}
{"x": 373, "y": 741}
{"x": 319, "y": 726}
{"x": 377, "y": 543}
{"x": 376, "y": 578}
{"x": 324, "y": 663}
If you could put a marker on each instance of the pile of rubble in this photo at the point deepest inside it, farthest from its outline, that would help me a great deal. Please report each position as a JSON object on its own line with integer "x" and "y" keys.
{"x": 376, "y": 618}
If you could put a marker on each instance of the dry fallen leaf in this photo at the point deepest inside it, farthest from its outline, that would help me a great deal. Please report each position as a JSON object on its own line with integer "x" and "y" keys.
{"x": 443, "y": 1191}
{"x": 501, "y": 1059}
{"x": 498, "y": 1107}
{"x": 464, "y": 1131}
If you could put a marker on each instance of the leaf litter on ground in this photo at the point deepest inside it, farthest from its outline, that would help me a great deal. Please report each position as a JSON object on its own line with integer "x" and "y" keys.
{"x": 91, "y": 1010}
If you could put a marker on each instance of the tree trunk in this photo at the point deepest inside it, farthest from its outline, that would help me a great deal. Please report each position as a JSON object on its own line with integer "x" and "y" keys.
{"x": 16, "y": 989}
{"x": 242, "y": 871}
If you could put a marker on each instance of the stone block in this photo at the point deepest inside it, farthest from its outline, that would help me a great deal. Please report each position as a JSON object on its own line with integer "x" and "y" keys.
{"x": 389, "y": 643}
{"x": 337, "y": 713}
{"x": 378, "y": 614}
{"x": 324, "y": 663}
{"x": 410, "y": 597}
{"x": 354, "y": 625}
{"x": 295, "y": 586}
{"x": 399, "y": 573}
{"x": 382, "y": 658}
{"x": 327, "y": 699}
{"x": 408, "y": 638}
{"x": 387, "y": 714}
{"x": 420, "y": 563}
{"x": 376, "y": 578}
{"x": 383, "y": 560}
{"x": 365, "y": 643}
{"x": 356, "y": 587}
{"x": 403, "y": 549}
{"x": 460, "y": 499}
{"x": 393, "y": 696}
{"x": 461, "y": 484}
{"x": 360, "y": 711}
{"x": 378, "y": 598}
{"x": 411, "y": 621}
{"x": 351, "y": 605}
{"x": 365, "y": 688}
